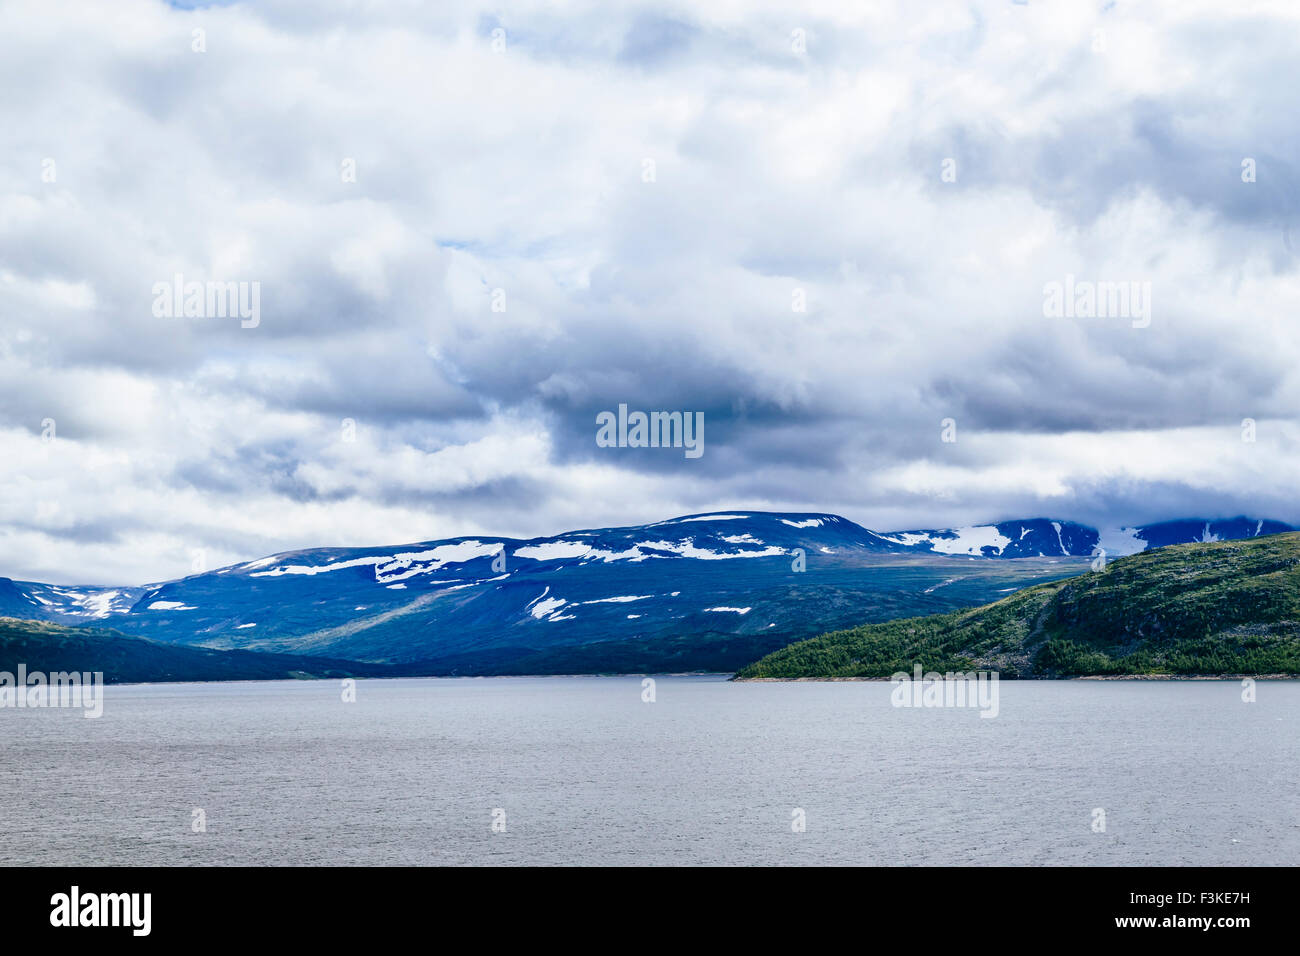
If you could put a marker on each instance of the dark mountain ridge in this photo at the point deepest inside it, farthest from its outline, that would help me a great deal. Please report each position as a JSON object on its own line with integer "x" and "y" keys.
{"x": 701, "y": 592}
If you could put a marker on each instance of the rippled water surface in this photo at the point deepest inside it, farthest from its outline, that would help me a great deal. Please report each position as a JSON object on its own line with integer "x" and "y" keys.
{"x": 710, "y": 772}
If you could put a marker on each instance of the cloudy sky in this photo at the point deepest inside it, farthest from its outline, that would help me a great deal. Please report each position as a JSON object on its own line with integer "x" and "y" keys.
{"x": 559, "y": 207}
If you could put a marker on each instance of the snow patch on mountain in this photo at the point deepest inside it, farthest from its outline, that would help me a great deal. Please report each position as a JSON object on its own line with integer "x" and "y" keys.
{"x": 319, "y": 569}
{"x": 935, "y": 587}
{"x": 548, "y": 606}
{"x": 402, "y": 566}
{"x": 1056, "y": 526}
{"x": 971, "y": 540}
{"x": 553, "y": 550}
{"x": 395, "y": 567}
{"x": 705, "y": 518}
{"x": 688, "y": 549}
{"x": 1117, "y": 542}
{"x": 907, "y": 539}
{"x": 101, "y": 604}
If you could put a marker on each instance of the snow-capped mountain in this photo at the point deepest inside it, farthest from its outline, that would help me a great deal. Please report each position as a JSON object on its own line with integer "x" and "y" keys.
{"x": 1039, "y": 537}
{"x": 703, "y": 591}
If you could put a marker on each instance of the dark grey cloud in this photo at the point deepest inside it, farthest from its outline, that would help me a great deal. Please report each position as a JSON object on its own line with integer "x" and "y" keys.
{"x": 625, "y": 206}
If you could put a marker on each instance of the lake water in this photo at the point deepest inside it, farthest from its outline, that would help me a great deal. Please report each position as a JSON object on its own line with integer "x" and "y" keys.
{"x": 710, "y": 772}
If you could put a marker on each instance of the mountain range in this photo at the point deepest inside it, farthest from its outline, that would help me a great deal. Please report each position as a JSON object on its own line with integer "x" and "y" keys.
{"x": 1220, "y": 608}
{"x": 701, "y": 592}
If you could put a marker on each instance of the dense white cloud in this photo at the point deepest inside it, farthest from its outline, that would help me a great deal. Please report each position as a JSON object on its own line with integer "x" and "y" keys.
{"x": 1102, "y": 142}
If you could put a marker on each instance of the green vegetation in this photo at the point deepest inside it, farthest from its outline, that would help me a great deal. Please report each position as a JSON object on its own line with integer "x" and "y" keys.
{"x": 51, "y": 648}
{"x": 1229, "y": 607}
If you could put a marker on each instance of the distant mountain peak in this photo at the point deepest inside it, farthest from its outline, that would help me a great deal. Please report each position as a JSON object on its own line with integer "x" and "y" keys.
{"x": 697, "y": 591}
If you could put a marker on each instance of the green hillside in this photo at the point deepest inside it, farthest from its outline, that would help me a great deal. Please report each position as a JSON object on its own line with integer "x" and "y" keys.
{"x": 51, "y": 648}
{"x": 1229, "y": 607}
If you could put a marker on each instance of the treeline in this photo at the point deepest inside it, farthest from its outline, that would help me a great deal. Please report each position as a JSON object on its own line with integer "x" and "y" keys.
{"x": 1228, "y": 607}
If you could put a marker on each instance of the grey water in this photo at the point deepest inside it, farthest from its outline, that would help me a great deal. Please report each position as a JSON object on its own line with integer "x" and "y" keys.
{"x": 585, "y": 771}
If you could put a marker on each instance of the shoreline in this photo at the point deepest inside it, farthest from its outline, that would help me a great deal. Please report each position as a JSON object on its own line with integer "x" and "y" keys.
{"x": 1098, "y": 677}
